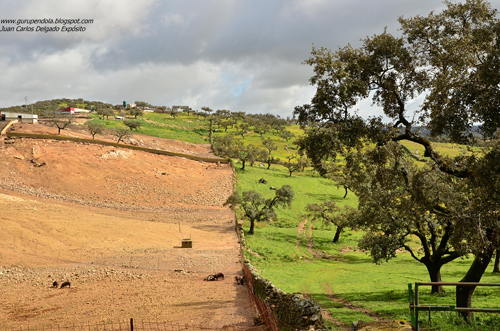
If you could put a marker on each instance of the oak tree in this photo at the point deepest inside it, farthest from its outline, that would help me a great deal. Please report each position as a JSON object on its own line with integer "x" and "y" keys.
{"x": 136, "y": 111}
{"x": 61, "y": 121}
{"x": 329, "y": 213}
{"x": 122, "y": 133}
{"x": 94, "y": 127}
{"x": 258, "y": 208}
{"x": 132, "y": 124}
{"x": 270, "y": 146}
{"x": 451, "y": 61}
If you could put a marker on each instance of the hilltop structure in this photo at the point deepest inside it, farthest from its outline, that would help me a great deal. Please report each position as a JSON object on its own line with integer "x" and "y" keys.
{"x": 21, "y": 117}
{"x": 71, "y": 111}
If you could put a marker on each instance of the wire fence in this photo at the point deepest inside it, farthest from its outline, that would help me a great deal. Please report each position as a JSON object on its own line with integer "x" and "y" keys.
{"x": 131, "y": 325}
{"x": 258, "y": 305}
{"x": 266, "y": 313}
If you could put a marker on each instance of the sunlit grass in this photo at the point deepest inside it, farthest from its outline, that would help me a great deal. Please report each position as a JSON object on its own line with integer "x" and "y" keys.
{"x": 340, "y": 271}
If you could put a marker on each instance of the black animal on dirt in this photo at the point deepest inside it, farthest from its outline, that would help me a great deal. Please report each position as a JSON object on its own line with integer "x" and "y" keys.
{"x": 66, "y": 284}
{"x": 219, "y": 275}
{"x": 240, "y": 280}
{"x": 215, "y": 277}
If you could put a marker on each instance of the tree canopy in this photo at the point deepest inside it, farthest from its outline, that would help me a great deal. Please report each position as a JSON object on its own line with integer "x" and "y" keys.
{"x": 61, "y": 122}
{"x": 228, "y": 146}
{"x": 132, "y": 124}
{"x": 448, "y": 61}
{"x": 94, "y": 127}
{"x": 258, "y": 208}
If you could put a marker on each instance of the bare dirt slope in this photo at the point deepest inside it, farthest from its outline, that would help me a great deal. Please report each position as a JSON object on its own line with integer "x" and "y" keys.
{"x": 109, "y": 221}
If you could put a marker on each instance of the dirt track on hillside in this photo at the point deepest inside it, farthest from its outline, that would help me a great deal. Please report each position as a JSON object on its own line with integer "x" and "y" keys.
{"x": 109, "y": 220}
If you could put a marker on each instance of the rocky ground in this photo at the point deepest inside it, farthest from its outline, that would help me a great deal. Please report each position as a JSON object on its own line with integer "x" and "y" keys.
{"x": 111, "y": 221}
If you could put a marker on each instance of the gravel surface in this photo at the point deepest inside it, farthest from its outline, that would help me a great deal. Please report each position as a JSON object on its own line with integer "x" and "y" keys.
{"x": 111, "y": 222}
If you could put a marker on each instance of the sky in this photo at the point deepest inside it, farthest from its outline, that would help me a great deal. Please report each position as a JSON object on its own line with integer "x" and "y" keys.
{"x": 239, "y": 55}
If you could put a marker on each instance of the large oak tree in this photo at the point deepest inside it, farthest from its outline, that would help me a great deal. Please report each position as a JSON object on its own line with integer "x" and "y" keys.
{"x": 449, "y": 62}
{"x": 258, "y": 208}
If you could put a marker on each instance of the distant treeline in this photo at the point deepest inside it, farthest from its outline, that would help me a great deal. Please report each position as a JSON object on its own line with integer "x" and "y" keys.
{"x": 42, "y": 107}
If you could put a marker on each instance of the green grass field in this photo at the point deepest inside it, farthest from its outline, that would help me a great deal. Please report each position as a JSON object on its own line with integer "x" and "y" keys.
{"x": 343, "y": 273}
{"x": 184, "y": 127}
{"x": 343, "y": 280}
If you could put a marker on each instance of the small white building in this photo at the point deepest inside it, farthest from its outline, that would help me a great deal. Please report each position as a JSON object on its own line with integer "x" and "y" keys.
{"x": 21, "y": 117}
{"x": 71, "y": 111}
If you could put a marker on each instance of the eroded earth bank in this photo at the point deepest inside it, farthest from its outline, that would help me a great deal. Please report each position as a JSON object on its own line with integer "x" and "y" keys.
{"x": 109, "y": 220}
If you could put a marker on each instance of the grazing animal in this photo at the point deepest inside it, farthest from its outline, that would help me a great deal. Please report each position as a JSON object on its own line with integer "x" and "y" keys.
{"x": 55, "y": 284}
{"x": 262, "y": 181}
{"x": 272, "y": 188}
{"x": 215, "y": 277}
{"x": 219, "y": 275}
{"x": 240, "y": 280}
{"x": 66, "y": 284}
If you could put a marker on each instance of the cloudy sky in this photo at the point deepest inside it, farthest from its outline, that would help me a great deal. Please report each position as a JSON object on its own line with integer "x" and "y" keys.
{"x": 241, "y": 55}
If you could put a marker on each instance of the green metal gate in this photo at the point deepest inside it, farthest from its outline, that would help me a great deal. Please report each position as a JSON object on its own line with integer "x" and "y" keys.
{"x": 415, "y": 307}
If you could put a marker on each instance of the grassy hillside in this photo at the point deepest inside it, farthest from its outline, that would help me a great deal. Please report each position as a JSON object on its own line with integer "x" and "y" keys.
{"x": 332, "y": 274}
{"x": 183, "y": 127}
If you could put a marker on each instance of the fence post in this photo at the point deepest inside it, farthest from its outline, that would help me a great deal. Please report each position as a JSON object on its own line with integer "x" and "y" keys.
{"x": 131, "y": 324}
{"x": 412, "y": 305}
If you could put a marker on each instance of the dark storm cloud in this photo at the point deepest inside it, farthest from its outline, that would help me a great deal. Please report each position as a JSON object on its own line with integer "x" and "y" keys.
{"x": 243, "y": 55}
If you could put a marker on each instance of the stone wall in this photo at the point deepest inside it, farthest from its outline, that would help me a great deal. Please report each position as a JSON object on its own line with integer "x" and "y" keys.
{"x": 293, "y": 311}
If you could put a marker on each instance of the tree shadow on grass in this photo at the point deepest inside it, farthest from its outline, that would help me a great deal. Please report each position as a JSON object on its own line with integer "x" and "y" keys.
{"x": 278, "y": 237}
{"x": 324, "y": 197}
{"x": 342, "y": 309}
{"x": 351, "y": 258}
{"x": 378, "y": 296}
{"x": 360, "y": 303}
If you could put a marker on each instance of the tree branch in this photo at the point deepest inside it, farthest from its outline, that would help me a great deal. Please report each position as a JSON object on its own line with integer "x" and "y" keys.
{"x": 408, "y": 249}
{"x": 429, "y": 152}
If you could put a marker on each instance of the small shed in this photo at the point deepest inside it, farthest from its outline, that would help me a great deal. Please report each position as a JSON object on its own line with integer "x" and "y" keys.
{"x": 21, "y": 117}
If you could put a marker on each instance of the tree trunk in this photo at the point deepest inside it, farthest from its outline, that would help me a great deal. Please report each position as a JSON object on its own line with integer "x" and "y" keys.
{"x": 496, "y": 267}
{"x": 474, "y": 274}
{"x": 345, "y": 188}
{"x": 252, "y": 226}
{"x": 434, "y": 270}
{"x": 242, "y": 164}
{"x": 337, "y": 234}
{"x": 210, "y": 134}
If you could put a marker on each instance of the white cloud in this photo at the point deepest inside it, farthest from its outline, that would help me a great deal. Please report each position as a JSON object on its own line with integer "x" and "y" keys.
{"x": 176, "y": 19}
{"x": 242, "y": 55}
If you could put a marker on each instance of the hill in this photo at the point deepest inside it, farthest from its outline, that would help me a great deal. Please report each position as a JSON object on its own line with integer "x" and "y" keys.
{"x": 108, "y": 220}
